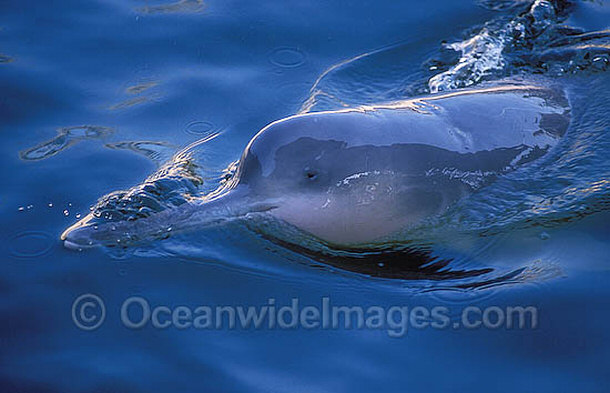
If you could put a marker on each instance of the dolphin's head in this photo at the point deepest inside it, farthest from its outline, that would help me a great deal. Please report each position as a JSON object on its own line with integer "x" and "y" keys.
{"x": 310, "y": 171}
{"x": 316, "y": 176}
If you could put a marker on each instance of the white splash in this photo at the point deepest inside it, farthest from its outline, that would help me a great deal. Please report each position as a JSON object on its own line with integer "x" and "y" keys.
{"x": 481, "y": 55}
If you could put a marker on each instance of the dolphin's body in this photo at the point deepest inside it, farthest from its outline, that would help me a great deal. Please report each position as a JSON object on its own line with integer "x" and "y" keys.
{"x": 358, "y": 175}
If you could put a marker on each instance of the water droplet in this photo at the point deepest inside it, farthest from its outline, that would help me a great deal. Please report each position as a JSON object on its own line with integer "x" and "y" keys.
{"x": 544, "y": 236}
{"x": 78, "y": 215}
{"x": 66, "y": 213}
{"x": 50, "y": 204}
{"x": 21, "y": 208}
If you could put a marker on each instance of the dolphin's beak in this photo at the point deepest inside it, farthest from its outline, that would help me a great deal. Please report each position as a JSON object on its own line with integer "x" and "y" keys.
{"x": 232, "y": 204}
{"x": 79, "y": 235}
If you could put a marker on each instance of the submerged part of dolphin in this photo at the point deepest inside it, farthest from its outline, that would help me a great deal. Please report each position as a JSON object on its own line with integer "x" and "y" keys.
{"x": 360, "y": 175}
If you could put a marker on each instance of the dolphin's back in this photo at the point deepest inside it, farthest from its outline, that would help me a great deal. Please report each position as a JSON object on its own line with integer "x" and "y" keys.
{"x": 486, "y": 129}
{"x": 470, "y": 120}
{"x": 496, "y": 118}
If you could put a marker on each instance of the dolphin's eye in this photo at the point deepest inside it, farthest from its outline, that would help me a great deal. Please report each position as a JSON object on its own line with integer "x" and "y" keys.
{"x": 310, "y": 174}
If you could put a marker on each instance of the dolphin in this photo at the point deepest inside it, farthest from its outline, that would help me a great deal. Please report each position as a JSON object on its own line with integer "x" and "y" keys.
{"x": 359, "y": 175}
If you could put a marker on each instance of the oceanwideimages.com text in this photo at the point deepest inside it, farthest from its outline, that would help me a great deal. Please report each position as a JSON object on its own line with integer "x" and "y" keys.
{"x": 89, "y": 312}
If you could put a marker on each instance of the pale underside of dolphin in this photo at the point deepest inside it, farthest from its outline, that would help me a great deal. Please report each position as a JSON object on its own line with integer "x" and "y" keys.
{"x": 359, "y": 175}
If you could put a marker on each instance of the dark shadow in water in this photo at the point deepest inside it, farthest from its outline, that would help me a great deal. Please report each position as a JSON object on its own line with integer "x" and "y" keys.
{"x": 5, "y": 59}
{"x": 389, "y": 261}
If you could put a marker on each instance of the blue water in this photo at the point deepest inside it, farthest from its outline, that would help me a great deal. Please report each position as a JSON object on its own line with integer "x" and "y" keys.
{"x": 96, "y": 95}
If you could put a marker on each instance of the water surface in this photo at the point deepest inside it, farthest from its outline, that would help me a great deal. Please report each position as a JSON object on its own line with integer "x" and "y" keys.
{"x": 96, "y": 95}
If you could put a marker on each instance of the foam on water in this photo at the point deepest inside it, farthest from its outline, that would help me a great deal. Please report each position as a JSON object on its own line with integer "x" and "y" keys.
{"x": 535, "y": 40}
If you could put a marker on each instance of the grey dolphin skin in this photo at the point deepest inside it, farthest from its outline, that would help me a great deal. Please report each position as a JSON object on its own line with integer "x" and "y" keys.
{"x": 358, "y": 175}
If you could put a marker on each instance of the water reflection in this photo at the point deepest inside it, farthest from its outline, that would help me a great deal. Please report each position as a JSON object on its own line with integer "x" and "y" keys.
{"x": 66, "y": 137}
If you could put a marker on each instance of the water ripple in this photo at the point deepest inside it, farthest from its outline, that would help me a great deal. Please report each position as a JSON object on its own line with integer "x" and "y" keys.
{"x": 66, "y": 137}
{"x": 31, "y": 244}
{"x": 287, "y": 57}
{"x": 200, "y": 128}
{"x": 154, "y": 150}
{"x": 179, "y": 7}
